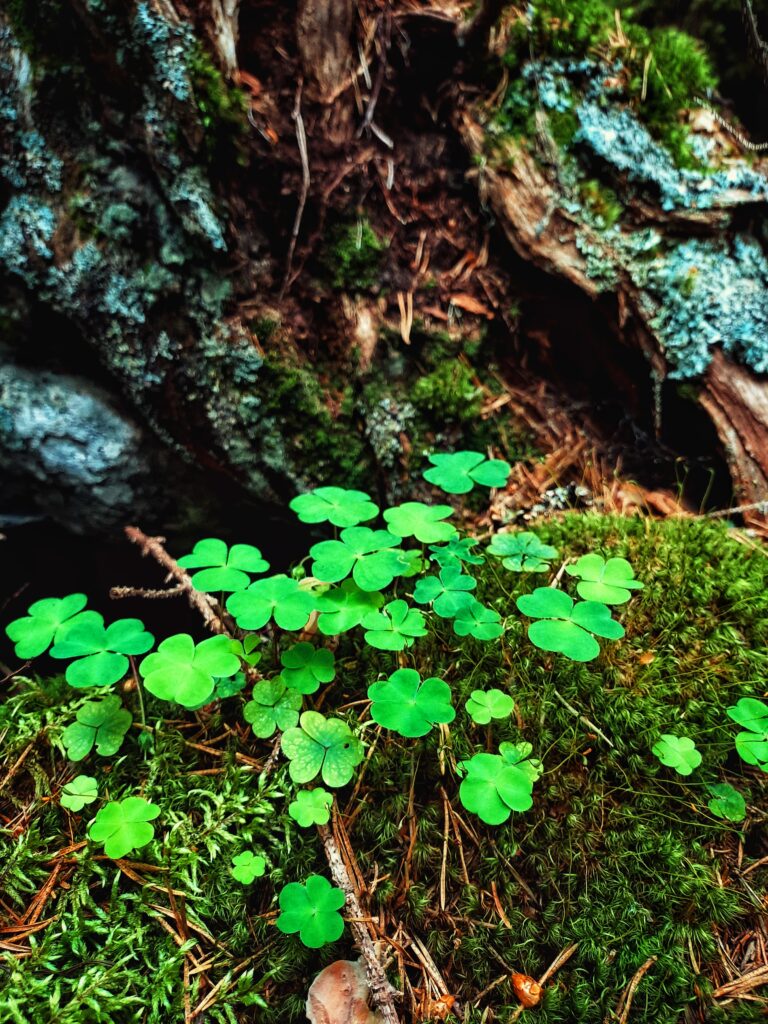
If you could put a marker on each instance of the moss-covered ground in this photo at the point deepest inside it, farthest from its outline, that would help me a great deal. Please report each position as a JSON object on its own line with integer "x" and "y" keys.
{"x": 617, "y": 854}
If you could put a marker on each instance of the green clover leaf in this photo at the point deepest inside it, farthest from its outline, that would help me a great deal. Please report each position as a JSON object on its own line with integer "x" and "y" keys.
{"x": 371, "y": 556}
{"x": 322, "y": 745}
{"x": 484, "y": 705}
{"x": 100, "y": 722}
{"x": 277, "y": 596}
{"x": 229, "y": 687}
{"x": 344, "y": 607}
{"x": 456, "y": 551}
{"x": 678, "y": 752}
{"x": 522, "y": 552}
{"x": 727, "y": 802}
{"x": 100, "y": 652}
{"x": 305, "y": 667}
{"x": 458, "y": 472}
{"x": 273, "y": 706}
{"x": 409, "y": 706}
{"x": 247, "y": 866}
{"x": 312, "y": 910}
{"x": 474, "y": 619}
{"x": 311, "y": 807}
{"x": 335, "y": 505}
{"x": 424, "y": 522}
{"x": 183, "y": 672}
{"x": 608, "y": 582}
{"x": 566, "y": 627}
{"x": 394, "y": 628}
{"x": 35, "y": 633}
{"x": 82, "y": 790}
{"x": 752, "y": 745}
{"x": 222, "y": 568}
{"x": 447, "y": 593}
{"x": 123, "y": 826}
{"x": 497, "y": 784}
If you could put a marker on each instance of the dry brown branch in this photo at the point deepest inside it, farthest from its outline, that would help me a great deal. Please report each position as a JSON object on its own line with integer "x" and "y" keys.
{"x": 203, "y": 604}
{"x": 382, "y": 993}
{"x": 625, "y": 1002}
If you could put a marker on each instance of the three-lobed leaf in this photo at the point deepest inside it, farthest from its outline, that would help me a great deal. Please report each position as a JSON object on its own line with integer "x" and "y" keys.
{"x": 305, "y": 667}
{"x": 273, "y": 706}
{"x": 36, "y": 631}
{"x": 726, "y": 802}
{"x": 424, "y": 522}
{"x": 344, "y": 607}
{"x": 248, "y": 866}
{"x": 483, "y": 705}
{"x": 752, "y": 744}
{"x": 448, "y": 593}
{"x": 123, "y": 826}
{"x": 100, "y": 723}
{"x": 408, "y": 705}
{"x": 372, "y": 557}
{"x": 101, "y": 652}
{"x": 184, "y": 672}
{"x": 474, "y": 619}
{"x": 567, "y": 627}
{"x": 497, "y": 784}
{"x": 455, "y": 551}
{"x": 394, "y": 628}
{"x": 678, "y": 752}
{"x": 278, "y": 597}
{"x": 337, "y": 505}
{"x": 321, "y": 746}
{"x": 458, "y": 472}
{"x": 311, "y": 807}
{"x": 82, "y": 790}
{"x": 609, "y": 582}
{"x": 312, "y": 910}
{"x": 522, "y": 552}
{"x": 222, "y": 568}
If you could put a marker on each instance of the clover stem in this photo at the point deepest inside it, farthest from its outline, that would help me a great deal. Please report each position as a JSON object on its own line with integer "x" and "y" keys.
{"x": 139, "y": 691}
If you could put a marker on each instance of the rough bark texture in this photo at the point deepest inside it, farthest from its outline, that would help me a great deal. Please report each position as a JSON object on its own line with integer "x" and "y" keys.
{"x": 256, "y": 276}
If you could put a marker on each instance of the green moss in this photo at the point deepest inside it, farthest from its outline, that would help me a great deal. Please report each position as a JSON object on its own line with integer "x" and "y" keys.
{"x": 601, "y": 201}
{"x": 222, "y": 107}
{"x": 353, "y": 257}
{"x": 617, "y": 854}
{"x": 661, "y": 70}
{"x": 448, "y": 392}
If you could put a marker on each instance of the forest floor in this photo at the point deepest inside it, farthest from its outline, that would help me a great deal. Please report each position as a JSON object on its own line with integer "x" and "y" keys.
{"x": 644, "y": 905}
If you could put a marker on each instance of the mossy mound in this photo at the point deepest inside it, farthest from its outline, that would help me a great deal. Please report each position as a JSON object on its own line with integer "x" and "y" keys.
{"x": 617, "y": 854}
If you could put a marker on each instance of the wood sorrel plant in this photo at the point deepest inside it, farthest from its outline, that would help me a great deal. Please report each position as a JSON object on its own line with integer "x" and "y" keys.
{"x": 354, "y": 609}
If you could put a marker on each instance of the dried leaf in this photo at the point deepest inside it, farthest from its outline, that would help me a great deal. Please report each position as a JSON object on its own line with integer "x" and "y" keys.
{"x": 339, "y": 995}
{"x": 469, "y": 303}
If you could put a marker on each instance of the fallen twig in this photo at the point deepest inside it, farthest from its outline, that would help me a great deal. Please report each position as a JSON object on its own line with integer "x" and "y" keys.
{"x": 624, "y": 1004}
{"x": 200, "y": 602}
{"x": 382, "y": 992}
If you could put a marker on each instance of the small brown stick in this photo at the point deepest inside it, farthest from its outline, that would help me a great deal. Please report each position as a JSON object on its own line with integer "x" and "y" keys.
{"x": 116, "y": 593}
{"x": 624, "y": 1004}
{"x": 17, "y": 764}
{"x": 736, "y": 988}
{"x": 582, "y": 718}
{"x": 382, "y": 992}
{"x": 153, "y": 546}
{"x": 306, "y": 181}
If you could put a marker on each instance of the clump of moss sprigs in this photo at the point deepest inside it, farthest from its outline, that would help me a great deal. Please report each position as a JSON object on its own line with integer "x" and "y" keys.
{"x": 449, "y": 392}
{"x": 353, "y": 255}
{"x": 617, "y": 855}
{"x": 664, "y": 69}
{"x": 222, "y": 107}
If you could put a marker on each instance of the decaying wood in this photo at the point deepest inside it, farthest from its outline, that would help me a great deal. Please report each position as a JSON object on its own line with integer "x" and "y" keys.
{"x": 224, "y": 14}
{"x": 324, "y": 36}
{"x": 526, "y": 201}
